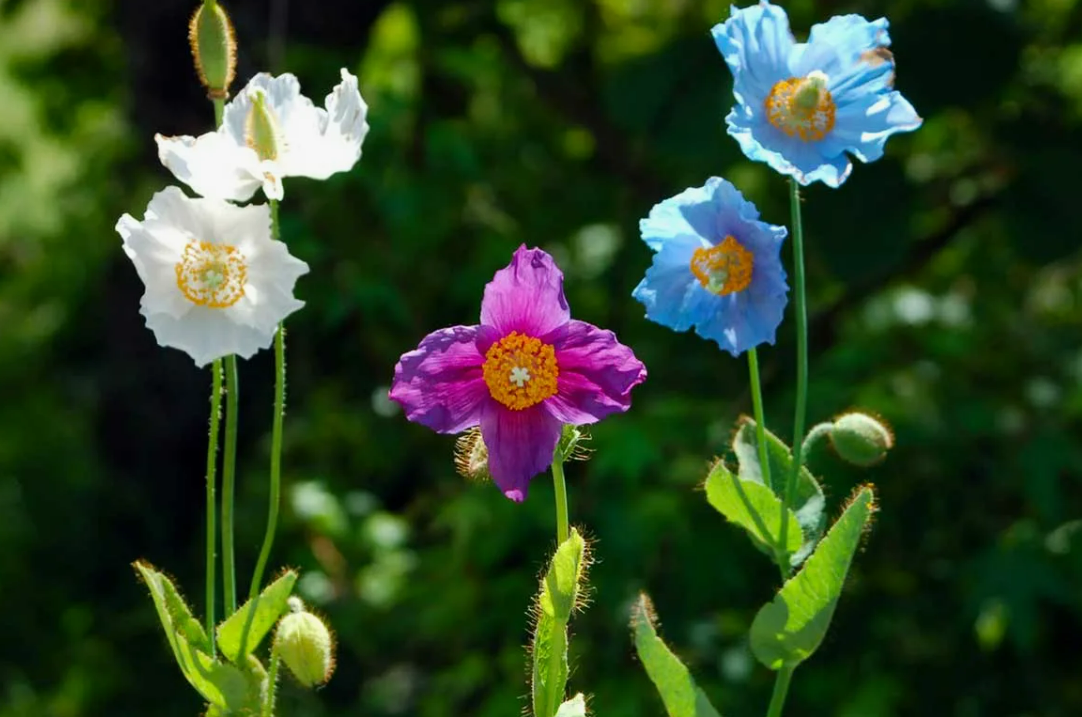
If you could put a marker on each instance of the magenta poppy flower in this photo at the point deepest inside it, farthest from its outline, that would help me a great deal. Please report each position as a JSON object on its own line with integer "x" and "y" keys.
{"x": 520, "y": 375}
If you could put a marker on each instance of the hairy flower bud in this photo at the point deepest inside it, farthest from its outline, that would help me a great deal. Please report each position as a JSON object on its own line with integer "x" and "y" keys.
{"x": 305, "y": 645}
{"x": 860, "y": 439}
{"x": 471, "y": 456}
{"x": 214, "y": 48}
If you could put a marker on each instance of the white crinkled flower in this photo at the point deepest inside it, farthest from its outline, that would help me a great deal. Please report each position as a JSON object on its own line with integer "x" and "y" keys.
{"x": 270, "y": 131}
{"x": 216, "y": 282}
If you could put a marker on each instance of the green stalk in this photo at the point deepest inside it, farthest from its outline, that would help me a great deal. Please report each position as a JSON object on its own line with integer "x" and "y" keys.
{"x": 781, "y": 689}
{"x": 563, "y": 531}
{"x": 219, "y": 105}
{"x": 229, "y": 470}
{"x": 276, "y": 437}
{"x": 801, "y": 359}
{"x": 780, "y": 553}
{"x": 212, "y": 502}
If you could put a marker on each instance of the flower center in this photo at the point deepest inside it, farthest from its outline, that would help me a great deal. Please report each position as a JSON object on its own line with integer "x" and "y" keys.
{"x": 802, "y": 107}
{"x": 262, "y": 131}
{"x": 520, "y": 371}
{"x": 723, "y": 269}
{"x": 211, "y": 275}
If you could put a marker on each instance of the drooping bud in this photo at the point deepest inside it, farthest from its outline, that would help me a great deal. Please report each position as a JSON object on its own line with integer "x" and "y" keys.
{"x": 861, "y": 439}
{"x": 261, "y": 129}
{"x": 305, "y": 645}
{"x": 214, "y": 49}
{"x": 471, "y": 456}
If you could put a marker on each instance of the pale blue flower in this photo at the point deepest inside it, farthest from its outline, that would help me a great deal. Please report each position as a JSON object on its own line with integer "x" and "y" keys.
{"x": 717, "y": 267}
{"x": 801, "y": 107}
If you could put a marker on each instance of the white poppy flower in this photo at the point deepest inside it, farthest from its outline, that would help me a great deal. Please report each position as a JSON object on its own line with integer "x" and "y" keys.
{"x": 270, "y": 131}
{"x": 216, "y": 283}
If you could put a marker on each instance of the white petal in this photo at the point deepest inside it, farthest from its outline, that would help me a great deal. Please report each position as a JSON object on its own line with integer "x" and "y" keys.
{"x": 155, "y": 246}
{"x": 328, "y": 141}
{"x": 213, "y": 164}
{"x": 207, "y": 334}
{"x": 244, "y": 227}
{"x": 284, "y": 99}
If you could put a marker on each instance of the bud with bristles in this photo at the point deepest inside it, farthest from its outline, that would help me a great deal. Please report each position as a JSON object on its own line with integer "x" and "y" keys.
{"x": 471, "y": 456}
{"x": 305, "y": 645}
{"x": 214, "y": 49}
{"x": 860, "y": 439}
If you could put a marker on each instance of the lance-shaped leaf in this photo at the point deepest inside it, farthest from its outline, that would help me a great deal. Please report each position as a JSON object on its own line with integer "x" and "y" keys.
{"x": 752, "y": 506}
{"x": 807, "y": 500}
{"x": 574, "y": 707}
{"x": 240, "y": 634}
{"x": 223, "y": 686}
{"x": 682, "y": 697}
{"x": 558, "y": 597}
{"x": 790, "y": 628}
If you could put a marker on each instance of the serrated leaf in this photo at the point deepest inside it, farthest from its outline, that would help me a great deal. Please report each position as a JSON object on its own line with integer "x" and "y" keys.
{"x": 788, "y": 630}
{"x": 681, "y": 696}
{"x": 221, "y": 685}
{"x": 807, "y": 501}
{"x": 574, "y": 707}
{"x": 240, "y": 634}
{"x": 752, "y": 506}
{"x": 555, "y": 602}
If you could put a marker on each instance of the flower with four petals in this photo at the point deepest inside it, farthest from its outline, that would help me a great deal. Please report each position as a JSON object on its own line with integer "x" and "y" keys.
{"x": 526, "y": 370}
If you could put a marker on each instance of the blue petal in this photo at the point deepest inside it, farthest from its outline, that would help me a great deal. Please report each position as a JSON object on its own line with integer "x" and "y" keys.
{"x": 843, "y": 46}
{"x": 863, "y": 126}
{"x": 756, "y": 42}
{"x": 668, "y": 220}
{"x": 791, "y": 156}
{"x": 668, "y": 286}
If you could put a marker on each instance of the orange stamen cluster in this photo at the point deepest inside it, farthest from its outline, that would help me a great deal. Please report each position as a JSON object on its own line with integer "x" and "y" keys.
{"x": 725, "y": 268}
{"x": 211, "y": 275}
{"x": 520, "y": 371}
{"x": 802, "y": 107}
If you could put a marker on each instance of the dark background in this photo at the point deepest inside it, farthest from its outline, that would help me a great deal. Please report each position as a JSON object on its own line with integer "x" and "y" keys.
{"x": 946, "y": 296}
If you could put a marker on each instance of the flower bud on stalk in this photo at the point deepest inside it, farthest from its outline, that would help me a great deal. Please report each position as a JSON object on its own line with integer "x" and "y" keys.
{"x": 305, "y": 645}
{"x": 860, "y": 439}
{"x": 214, "y": 49}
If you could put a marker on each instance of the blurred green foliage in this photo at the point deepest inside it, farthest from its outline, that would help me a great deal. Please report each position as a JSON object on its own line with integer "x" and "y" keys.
{"x": 946, "y": 288}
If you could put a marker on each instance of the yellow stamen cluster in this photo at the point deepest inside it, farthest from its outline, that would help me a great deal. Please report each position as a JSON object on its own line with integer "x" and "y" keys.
{"x": 725, "y": 268}
{"x": 802, "y": 107}
{"x": 520, "y": 371}
{"x": 212, "y": 275}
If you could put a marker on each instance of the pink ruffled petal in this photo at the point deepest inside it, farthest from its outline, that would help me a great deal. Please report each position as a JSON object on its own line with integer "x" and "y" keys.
{"x": 527, "y": 296}
{"x": 440, "y": 384}
{"x": 597, "y": 373}
{"x": 520, "y": 445}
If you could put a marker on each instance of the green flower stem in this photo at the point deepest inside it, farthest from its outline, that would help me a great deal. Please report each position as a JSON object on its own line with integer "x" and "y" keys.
{"x": 219, "y": 105}
{"x": 563, "y": 531}
{"x": 801, "y": 358}
{"x": 781, "y": 689}
{"x": 819, "y": 432}
{"x": 780, "y": 554}
{"x": 272, "y": 684}
{"x": 212, "y": 501}
{"x": 276, "y": 437}
{"x": 229, "y": 469}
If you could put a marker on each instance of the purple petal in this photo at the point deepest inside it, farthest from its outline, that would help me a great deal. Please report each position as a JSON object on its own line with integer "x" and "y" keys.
{"x": 597, "y": 373}
{"x": 440, "y": 384}
{"x": 520, "y": 445}
{"x": 527, "y": 296}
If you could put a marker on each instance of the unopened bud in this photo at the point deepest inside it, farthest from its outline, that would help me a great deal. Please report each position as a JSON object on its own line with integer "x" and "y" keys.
{"x": 261, "y": 129}
{"x": 860, "y": 439}
{"x": 573, "y": 441}
{"x": 305, "y": 645}
{"x": 471, "y": 456}
{"x": 214, "y": 48}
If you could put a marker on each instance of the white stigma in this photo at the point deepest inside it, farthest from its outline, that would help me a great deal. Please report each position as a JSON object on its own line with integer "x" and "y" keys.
{"x": 519, "y": 376}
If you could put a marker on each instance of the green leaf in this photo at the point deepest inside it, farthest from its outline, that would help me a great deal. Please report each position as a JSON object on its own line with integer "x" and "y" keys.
{"x": 240, "y": 634}
{"x": 556, "y": 600}
{"x": 574, "y": 707}
{"x": 753, "y": 507}
{"x": 790, "y": 628}
{"x": 682, "y": 697}
{"x": 222, "y": 685}
{"x": 807, "y": 501}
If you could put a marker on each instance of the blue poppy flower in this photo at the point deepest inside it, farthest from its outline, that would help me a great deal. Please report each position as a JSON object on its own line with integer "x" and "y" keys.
{"x": 802, "y": 106}
{"x": 717, "y": 267}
